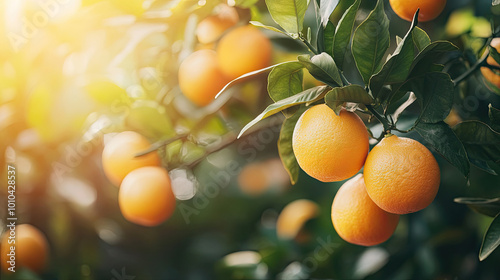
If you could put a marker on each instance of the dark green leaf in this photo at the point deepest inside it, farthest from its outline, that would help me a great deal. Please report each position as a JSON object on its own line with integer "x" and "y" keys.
{"x": 289, "y": 14}
{"x": 420, "y": 38}
{"x": 434, "y": 91}
{"x": 426, "y": 59}
{"x": 326, "y": 9}
{"x": 259, "y": 24}
{"x": 323, "y": 68}
{"x": 397, "y": 68}
{"x": 352, "y": 93}
{"x": 328, "y": 35}
{"x": 481, "y": 142}
{"x": 370, "y": 41}
{"x": 491, "y": 239}
{"x": 495, "y": 8}
{"x": 494, "y": 114}
{"x": 486, "y": 206}
{"x": 307, "y": 96}
{"x": 343, "y": 34}
{"x": 285, "y": 146}
{"x": 494, "y": 54}
{"x": 442, "y": 138}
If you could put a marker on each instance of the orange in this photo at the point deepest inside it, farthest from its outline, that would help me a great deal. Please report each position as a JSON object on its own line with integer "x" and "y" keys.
{"x": 357, "y": 219}
{"x": 401, "y": 175}
{"x": 493, "y": 76}
{"x": 146, "y": 197}
{"x": 429, "y": 9}
{"x": 329, "y": 147}
{"x": 212, "y": 27}
{"x": 254, "y": 179}
{"x": 31, "y": 248}
{"x": 201, "y": 78}
{"x": 294, "y": 216}
{"x": 118, "y": 156}
{"x": 242, "y": 50}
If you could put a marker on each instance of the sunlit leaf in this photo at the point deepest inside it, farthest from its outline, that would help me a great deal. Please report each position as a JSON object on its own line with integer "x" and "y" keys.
{"x": 326, "y": 9}
{"x": 309, "y": 95}
{"x": 259, "y": 24}
{"x": 323, "y": 68}
{"x": 106, "y": 92}
{"x": 150, "y": 119}
{"x": 289, "y": 14}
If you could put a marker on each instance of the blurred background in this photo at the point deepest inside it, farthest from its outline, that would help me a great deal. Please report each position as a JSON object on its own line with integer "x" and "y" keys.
{"x": 73, "y": 72}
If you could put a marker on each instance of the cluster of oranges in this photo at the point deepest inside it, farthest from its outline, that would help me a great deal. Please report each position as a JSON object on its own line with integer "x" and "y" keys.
{"x": 400, "y": 175}
{"x": 238, "y": 50}
{"x": 28, "y": 248}
{"x": 145, "y": 195}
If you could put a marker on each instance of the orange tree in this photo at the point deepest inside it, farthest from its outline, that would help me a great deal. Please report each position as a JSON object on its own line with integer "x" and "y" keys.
{"x": 342, "y": 80}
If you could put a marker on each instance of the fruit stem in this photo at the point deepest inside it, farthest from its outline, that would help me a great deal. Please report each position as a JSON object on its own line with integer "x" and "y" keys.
{"x": 380, "y": 118}
{"x": 477, "y": 65}
{"x": 309, "y": 46}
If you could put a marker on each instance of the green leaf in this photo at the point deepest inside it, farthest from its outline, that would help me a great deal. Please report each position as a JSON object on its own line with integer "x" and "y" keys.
{"x": 397, "y": 68}
{"x": 327, "y": 38}
{"x": 326, "y": 8}
{"x": 289, "y": 14}
{"x": 442, "y": 138}
{"x": 247, "y": 75}
{"x": 343, "y": 34}
{"x": 434, "y": 91}
{"x": 149, "y": 118}
{"x": 323, "y": 68}
{"x": 420, "y": 38}
{"x": 494, "y": 115}
{"x": 308, "y": 96}
{"x": 107, "y": 93}
{"x": 495, "y": 7}
{"x": 481, "y": 142}
{"x": 245, "y": 3}
{"x": 491, "y": 239}
{"x": 486, "y": 206}
{"x": 426, "y": 59}
{"x": 402, "y": 107}
{"x": 352, "y": 93}
{"x": 285, "y": 80}
{"x": 259, "y": 24}
{"x": 370, "y": 41}
{"x": 494, "y": 54}
{"x": 285, "y": 146}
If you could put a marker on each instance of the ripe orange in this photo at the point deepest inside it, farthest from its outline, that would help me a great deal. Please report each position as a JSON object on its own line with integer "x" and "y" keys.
{"x": 118, "y": 156}
{"x": 146, "y": 197}
{"x": 242, "y": 50}
{"x": 212, "y": 27}
{"x": 429, "y": 9}
{"x": 401, "y": 175}
{"x": 201, "y": 78}
{"x": 31, "y": 249}
{"x": 357, "y": 219}
{"x": 493, "y": 76}
{"x": 329, "y": 147}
